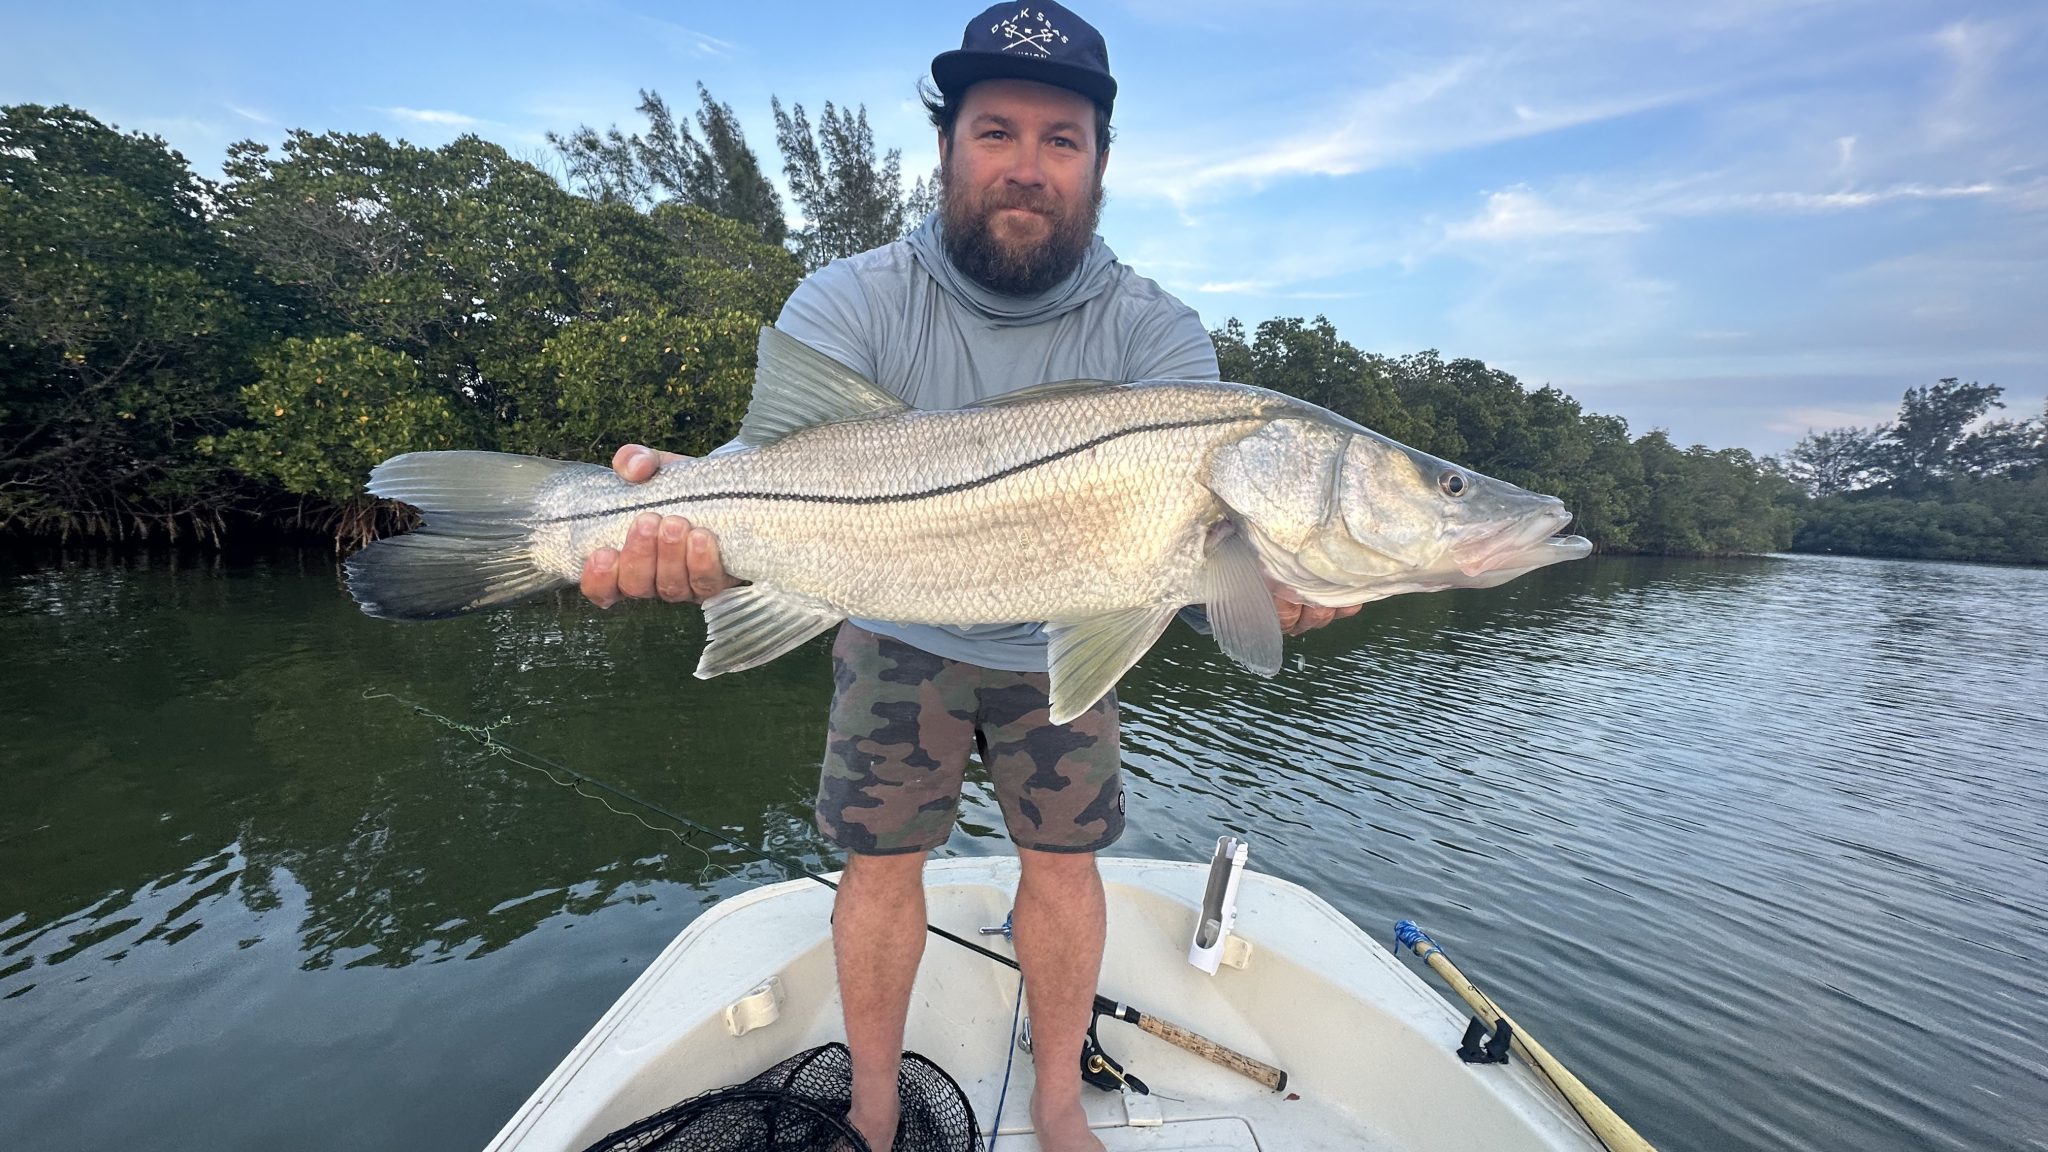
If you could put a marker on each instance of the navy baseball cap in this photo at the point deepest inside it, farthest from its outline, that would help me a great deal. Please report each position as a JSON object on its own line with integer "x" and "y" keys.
{"x": 1039, "y": 41}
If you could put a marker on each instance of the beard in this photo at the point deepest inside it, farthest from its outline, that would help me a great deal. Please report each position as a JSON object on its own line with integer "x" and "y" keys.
{"x": 1013, "y": 267}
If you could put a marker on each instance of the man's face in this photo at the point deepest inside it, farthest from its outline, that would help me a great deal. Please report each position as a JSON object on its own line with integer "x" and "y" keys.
{"x": 1023, "y": 184}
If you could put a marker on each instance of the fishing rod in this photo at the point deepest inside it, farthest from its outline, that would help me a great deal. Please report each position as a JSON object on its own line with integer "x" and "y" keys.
{"x": 1184, "y": 1038}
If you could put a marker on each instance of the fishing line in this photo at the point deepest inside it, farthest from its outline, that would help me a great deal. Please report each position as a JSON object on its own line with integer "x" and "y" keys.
{"x": 485, "y": 735}
{"x": 1183, "y": 1038}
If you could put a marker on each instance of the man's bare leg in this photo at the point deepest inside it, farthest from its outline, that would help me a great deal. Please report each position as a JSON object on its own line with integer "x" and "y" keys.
{"x": 877, "y": 940}
{"x": 1059, "y": 924}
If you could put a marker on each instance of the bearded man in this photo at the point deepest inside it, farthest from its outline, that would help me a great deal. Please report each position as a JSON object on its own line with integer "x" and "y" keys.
{"x": 1005, "y": 287}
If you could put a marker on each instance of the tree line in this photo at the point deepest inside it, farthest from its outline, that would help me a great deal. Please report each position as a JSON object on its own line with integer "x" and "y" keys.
{"x": 181, "y": 355}
{"x": 1944, "y": 480}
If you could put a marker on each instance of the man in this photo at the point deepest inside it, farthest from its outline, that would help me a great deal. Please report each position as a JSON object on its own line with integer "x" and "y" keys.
{"x": 1005, "y": 287}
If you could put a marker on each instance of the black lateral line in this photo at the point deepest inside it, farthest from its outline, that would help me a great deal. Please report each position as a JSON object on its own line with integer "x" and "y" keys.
{"x": 904, "y": 497}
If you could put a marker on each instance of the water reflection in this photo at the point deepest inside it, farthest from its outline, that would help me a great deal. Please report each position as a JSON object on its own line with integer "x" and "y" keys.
{"x": 1757, "y": 846}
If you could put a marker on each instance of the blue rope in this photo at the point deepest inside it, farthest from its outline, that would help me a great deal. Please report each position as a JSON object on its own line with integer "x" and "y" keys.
{"x": 1407, "y": 933}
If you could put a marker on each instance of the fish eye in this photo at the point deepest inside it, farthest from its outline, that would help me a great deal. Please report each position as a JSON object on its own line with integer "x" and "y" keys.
{"x": 1453, "y": 483}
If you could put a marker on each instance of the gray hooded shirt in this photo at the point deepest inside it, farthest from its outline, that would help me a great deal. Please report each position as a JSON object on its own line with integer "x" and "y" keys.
{"x": 904, "y": 317}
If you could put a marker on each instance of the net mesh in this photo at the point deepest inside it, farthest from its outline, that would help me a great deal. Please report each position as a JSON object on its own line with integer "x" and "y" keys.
{"x": 800, "y": 1105}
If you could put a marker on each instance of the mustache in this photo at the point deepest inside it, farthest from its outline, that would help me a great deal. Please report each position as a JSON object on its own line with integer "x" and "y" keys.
{"x": 1030, "y": 199}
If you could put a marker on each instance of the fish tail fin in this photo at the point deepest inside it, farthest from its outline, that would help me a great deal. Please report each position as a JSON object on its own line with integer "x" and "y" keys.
{"x": 475, "y": 548}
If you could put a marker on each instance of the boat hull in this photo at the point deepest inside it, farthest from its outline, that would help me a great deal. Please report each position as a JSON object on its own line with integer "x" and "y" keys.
{"x": 1368, "y": 1047}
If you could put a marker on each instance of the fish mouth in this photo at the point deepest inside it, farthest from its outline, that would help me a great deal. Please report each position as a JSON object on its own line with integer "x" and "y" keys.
{"x": 1519, "y": 544}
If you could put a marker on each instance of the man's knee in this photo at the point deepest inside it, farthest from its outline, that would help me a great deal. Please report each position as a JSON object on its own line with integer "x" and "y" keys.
{"x": 892, "y": 872}
{"x": 1055, "y": 867}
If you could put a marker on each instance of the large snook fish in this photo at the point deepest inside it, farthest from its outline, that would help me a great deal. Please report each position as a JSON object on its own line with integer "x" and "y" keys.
{"x": 1099, "y": 508}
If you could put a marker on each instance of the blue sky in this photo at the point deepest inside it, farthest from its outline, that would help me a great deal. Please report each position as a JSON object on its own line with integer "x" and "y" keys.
{"x": 1733, "y": 220}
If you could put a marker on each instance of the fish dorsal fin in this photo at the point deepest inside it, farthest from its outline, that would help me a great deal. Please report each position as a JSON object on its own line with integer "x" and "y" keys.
{"x": 752, "y": 624}
{"x": 1087, "y": 657}
{"x": 1241, "y": 612}
{"x": 796, "y": 387}
{"x": 1041, "y": 391}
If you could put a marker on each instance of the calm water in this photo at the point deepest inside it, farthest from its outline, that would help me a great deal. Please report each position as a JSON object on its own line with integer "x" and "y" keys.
{"x": 1759, "y": 848}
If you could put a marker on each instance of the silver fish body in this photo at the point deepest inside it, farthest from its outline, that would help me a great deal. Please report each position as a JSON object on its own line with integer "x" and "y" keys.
{"x": 1056, "y": 510}
{"x": 1101, "y": 509}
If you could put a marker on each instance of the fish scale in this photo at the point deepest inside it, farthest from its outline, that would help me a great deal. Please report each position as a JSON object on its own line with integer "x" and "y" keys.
{"x": 1030, "y": 513}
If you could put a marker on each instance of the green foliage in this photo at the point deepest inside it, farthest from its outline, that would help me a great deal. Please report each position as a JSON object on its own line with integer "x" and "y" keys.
{"x": 1833, "y": 462}
{"x": 709, "y": 263}
{"x": 174, "y": 350}
{"x": 1588, "y": 462}
{"x": 124, "y": 332}
{"x": 1641, "y": 495}
{"x": 1924, "y": 444}
{"x": 1311, "y": 361}
{"x": 324, "y": 410}
{"x": 608, "y": 381}
{"x": 1940, "y": 482}
{"x": 718, "y": 173}
{"x": 850, "y": 202}
{"x": 1999, "y": 520}
{"x": 1703, "y": 502}
{"x": 409, "y": 246}
{"x": 461, "y": 299}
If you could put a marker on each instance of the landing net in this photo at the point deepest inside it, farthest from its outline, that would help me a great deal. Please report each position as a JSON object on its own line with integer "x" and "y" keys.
{"x": 800, "y": 1105}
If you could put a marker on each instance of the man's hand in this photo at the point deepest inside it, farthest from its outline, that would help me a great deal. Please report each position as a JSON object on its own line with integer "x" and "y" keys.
{"x": 664, "y": 555}
{"x": 1298, "y": 618}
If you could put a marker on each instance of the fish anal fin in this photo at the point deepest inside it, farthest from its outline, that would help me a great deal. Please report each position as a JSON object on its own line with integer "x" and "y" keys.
{"x": 1087, "y": 657}
{"x": 754, "y": 623}
{"x": 1241, "y": 612}
{"x": 797, "y": 387}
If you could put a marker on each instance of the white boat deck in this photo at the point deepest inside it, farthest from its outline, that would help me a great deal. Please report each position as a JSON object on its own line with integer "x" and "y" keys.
{"x": 1369, "y": 1048}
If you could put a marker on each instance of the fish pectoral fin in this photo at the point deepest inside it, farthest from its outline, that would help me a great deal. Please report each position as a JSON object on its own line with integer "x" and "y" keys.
{"x": 1241, "y": 612}
{"x": 753, "y": 624}
{"x": 1088, "y": 657}
{"x": 797, "y": 387}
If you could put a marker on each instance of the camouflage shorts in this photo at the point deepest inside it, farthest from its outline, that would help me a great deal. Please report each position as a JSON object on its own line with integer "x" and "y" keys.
{"x": 903, "y": 722}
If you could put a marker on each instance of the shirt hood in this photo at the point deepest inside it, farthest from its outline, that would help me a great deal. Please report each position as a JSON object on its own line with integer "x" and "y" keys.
{"x": 1085, "y": 283}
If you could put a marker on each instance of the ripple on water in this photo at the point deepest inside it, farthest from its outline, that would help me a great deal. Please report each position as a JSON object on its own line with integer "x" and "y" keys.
{"x": 1760, "y": 848}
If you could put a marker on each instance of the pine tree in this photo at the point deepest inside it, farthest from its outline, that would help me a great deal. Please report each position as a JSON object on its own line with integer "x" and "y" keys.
{"x": 850, "y": 202}
{"x": 718, "y": 173}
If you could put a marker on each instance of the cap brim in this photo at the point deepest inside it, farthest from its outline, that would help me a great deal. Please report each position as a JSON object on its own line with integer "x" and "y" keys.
{"x": 954, "y": 71}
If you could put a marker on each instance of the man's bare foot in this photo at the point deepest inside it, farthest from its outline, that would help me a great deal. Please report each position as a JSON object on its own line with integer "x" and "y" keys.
{"x": 877, "y": 1126}
{"x": 1062, "y": 1126}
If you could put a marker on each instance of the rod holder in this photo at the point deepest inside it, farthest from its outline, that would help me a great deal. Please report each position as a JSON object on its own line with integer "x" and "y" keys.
{"x": 1219, "y": 904}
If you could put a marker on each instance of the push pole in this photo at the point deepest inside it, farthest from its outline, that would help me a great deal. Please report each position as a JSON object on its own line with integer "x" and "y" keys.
{"x": 1606, "y": 1124}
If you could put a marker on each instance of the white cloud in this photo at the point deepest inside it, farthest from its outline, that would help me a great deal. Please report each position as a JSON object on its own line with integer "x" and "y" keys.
{"x": 248, "y": 114}
{"x": 1831, "y": 201}
{"x": 1520, "y": 214}
{"x": 433, "y": 116}
{"x": 1972, "y": 50}
{"x": 677, "y": 37}
{"x": 1449, "y": 108}
{"x": 1800, "y": 421}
